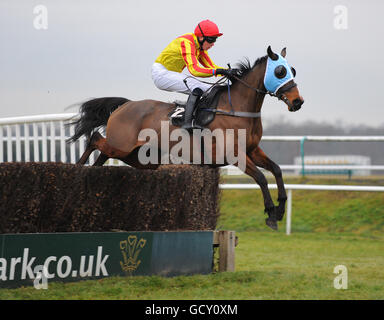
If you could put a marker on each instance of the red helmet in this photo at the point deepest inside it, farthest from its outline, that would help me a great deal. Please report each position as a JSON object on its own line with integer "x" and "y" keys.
{"x": 207, "y": 28}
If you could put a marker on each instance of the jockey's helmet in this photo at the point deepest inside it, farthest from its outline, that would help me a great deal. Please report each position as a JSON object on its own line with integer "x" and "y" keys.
{"x": 207, "y": 28}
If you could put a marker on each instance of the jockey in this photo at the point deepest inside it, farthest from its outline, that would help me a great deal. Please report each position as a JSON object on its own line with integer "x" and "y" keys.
{"x": 188, "y": 51}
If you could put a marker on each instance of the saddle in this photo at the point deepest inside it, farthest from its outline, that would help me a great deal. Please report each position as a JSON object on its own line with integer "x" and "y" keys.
{"x": 204, "y": 112}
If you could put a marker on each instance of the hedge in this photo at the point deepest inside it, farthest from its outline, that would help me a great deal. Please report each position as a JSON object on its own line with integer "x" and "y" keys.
{"x": 57, "y": 197}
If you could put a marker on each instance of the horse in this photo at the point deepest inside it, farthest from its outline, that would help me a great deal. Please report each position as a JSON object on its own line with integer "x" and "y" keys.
{"x": 238, "y": 108}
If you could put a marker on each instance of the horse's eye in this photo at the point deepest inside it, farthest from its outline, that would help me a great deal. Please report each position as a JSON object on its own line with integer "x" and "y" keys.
{"x": 280, "y": 72}
{"x": 293, "y": 71}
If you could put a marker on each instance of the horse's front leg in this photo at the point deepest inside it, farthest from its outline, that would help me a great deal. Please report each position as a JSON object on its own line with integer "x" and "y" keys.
{"x": 260, "y": 179}
{"x": 260, "y": 159}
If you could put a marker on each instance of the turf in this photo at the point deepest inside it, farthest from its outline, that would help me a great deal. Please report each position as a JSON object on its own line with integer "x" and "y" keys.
{"x": 328, "y": 229}
{"x": 269, "y": 266}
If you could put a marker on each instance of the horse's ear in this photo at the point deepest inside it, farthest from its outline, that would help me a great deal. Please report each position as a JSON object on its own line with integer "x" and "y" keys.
{"x": 271, "y": 54}
{"x": 284, "y": 52}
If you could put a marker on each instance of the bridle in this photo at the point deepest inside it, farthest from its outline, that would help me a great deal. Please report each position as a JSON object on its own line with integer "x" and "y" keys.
{"x": 279, "y": 95}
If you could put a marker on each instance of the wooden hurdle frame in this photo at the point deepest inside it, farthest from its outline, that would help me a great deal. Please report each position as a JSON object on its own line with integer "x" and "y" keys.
{"x": 226, "y": 241}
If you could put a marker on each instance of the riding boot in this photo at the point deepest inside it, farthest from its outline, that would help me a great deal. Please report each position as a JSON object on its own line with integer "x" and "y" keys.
{"x": 192, "y": 101}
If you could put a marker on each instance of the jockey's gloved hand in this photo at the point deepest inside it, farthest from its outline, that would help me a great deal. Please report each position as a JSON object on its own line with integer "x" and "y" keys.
{"x": 227, "y": 72}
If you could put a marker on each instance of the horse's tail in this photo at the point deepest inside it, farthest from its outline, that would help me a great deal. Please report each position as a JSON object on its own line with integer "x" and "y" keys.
{"x": 93, "y": 115}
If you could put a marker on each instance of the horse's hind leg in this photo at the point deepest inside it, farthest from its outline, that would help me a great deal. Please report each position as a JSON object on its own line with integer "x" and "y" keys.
{"x": 91, "y": 146}
{"x": 98, "y": 142}
{"x": 85, "y": 155}
{"x": 101, "y": 159}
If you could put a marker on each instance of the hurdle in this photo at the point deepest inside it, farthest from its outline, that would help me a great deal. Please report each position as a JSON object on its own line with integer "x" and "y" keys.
{"x": 71, "y": 257}
{"x": 65, "y": 232}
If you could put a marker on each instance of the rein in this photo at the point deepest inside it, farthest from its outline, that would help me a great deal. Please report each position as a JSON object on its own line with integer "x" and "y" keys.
{"x": 244, "y": 114}
{"x": 231, "y": 113}
{"x": 281, "y": 96}
{"x": 234, "y": 113}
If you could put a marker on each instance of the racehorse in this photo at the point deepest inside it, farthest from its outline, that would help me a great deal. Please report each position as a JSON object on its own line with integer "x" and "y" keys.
{"x": 238, "y": 107}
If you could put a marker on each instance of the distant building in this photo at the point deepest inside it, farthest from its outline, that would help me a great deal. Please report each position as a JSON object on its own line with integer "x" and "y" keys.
{"x": 334, "y": 161}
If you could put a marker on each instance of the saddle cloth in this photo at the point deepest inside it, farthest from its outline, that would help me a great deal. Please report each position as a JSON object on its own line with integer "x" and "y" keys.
{"x": 204, "y": 112}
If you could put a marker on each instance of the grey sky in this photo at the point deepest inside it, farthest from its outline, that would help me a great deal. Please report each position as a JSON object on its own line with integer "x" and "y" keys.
{"x": 106, "y": 48}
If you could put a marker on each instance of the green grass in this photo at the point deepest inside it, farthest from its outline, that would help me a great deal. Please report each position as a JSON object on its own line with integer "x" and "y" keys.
{"x": 328, "y": 229}
{"x": 268, "y": 266}
{"x": 312, "y": 211}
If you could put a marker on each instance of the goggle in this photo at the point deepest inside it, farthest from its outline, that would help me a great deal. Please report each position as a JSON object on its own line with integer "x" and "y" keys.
{"x": 210, "y": 39}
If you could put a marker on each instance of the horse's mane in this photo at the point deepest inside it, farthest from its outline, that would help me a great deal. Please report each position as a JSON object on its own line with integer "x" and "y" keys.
{"x": 245, "y": 66}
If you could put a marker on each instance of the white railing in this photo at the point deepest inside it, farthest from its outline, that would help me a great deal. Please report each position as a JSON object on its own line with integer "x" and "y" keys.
{"x": 323, "y": 138}
{"x": 290, "y": 187}
{"x": 42, "y": 138}
{"x": 232, "y": 170}
{"x": 303, "y": 139}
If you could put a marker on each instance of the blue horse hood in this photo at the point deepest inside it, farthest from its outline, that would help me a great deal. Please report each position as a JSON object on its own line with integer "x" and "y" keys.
{"x": 271, "y": 82}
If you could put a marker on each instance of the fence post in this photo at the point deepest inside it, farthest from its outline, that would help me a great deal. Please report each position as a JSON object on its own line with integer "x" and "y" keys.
{"x": 302, "y": 155}
{"x": 26, "y": 143}
{"x": 226, "y": 241}
{"x": 289, "y": 212}
{"x": 9, "y": 144}
{"x": 63, "y": 153}
{"x": 18, "y": 144}
{"x": 1, "y": 145}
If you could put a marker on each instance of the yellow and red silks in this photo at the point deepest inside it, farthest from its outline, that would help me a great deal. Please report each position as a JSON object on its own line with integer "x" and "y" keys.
{"x": 185, "y": 51}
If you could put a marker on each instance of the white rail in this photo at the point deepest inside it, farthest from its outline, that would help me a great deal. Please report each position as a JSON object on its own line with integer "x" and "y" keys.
{"x": 323, "y": 167}
{"x": 37, "y": 118}
{"x": 290, "y": 187}
{"x": 42, "y": 138}
{"x": 323, "y": 138}
{"x": 303, "y": 167}
{"x": 333, "y": 167}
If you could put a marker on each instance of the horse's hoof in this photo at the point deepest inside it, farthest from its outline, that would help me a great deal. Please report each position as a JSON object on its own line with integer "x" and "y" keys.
{"x": 271, "y": 223}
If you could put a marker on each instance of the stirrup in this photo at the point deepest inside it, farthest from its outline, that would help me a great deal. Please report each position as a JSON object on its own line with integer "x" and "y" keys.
{"x": 192, "y": 125}
{"x": 196, "y": 125}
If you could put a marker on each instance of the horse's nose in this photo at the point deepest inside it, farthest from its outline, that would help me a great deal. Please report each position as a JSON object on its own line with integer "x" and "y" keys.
{"x": 297, "y": 103}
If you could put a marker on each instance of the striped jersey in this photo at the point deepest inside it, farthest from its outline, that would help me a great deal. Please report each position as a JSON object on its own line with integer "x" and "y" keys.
{"x": 185, "y": 51}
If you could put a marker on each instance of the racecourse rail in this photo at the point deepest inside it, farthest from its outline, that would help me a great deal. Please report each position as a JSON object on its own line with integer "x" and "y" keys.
{"x": 49, "y": 134}
{"x": 290, "y": 187}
